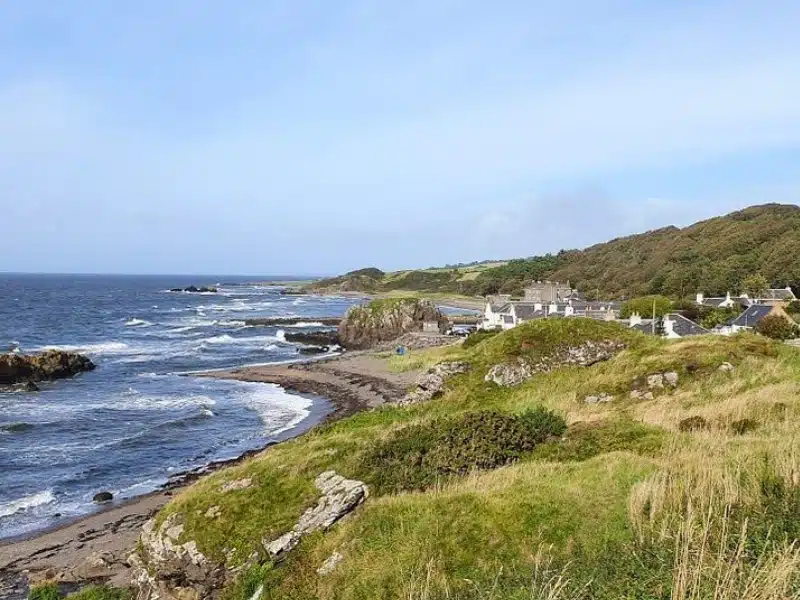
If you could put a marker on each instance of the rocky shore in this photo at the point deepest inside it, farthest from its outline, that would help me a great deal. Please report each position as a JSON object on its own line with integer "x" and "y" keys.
{"x": 96, "y": 548}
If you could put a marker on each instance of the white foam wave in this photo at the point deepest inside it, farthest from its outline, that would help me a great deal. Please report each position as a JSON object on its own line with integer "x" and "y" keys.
{"x": 100, "y": 348}
{"x": 307, "y": 324}
{"x": 145, "y": 402}
{"x": 26, "y": 503}
{"x": 138, "y": 323}
{"x": 226, "y": 339}
{"x": 278, "y": 409}
{"x": 280, "y": 335}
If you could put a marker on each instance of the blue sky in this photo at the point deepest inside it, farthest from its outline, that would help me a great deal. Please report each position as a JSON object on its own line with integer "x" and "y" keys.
{"x": 261, "y": 137}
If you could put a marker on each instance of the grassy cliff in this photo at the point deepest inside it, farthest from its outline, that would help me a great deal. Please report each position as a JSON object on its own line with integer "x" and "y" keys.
{"x": 712, "y": 256}
{"x": 694, "y": 494}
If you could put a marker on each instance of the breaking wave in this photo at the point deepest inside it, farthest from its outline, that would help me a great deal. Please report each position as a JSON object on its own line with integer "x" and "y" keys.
{"x": 28, "y": 502}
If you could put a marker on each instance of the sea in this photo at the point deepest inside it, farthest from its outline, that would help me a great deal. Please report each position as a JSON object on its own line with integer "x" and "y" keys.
{"x": 143, "y": 415}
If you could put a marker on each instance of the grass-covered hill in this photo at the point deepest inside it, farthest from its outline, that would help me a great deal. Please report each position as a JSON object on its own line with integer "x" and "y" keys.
{"x": 712, "y": 256}
{"x": 530, "y": 492}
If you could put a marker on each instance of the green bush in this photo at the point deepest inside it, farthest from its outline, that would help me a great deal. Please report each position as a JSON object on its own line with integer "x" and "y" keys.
{"x": 695, "y": 423}
{"x": 415, "y": 457}
{"x": 743, "y": 426}
{"x": 778, "y": 328}
{"x": 101, "y": 592}
{"x": 644, "y": 306}
{"x": 476, "y": 337}
{"x": 47, "y": 591}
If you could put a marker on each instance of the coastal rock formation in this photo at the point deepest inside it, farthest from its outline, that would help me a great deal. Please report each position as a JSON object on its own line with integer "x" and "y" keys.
{"x": 387, "y": 319}
{"x": 53, "y": 364}
{"x": 313, "y": 338}
{"x": 585, "y": 355}
{"x": 431, "y": 384}
{"x": 598, "y": 398}
{"x": 340, "y": 496}
{"x": 168, "y": 569}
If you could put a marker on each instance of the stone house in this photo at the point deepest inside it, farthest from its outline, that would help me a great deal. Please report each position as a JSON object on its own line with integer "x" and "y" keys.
{"x": 750, "y": 318}
{"x": 770, "y": 297}
{"x": 548, "y": 292}
{"x": 672, "y": 326}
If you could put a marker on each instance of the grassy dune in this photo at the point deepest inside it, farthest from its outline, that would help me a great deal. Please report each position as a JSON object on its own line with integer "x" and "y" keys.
{"x": 629, "y": 503}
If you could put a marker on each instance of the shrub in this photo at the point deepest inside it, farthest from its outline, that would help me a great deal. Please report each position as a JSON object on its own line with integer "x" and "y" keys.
{"x": 101, "y": 592}
{"x": 47, "y": 591}
{"x": 778, "y": 328}
{"x": 743, "y": 426}
{"x": 476, "y": 337}
{"x": 694, "y": 423}
{"x": 415, "y": 457}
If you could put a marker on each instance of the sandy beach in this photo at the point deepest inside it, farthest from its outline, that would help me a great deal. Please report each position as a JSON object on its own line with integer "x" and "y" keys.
{"x": 96, "y": 547}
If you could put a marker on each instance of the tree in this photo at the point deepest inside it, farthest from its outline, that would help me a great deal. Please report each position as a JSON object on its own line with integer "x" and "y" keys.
{"x": 643, "y": 306}
{"x": 778, "y": 327}
{"x": 754, "y": 285}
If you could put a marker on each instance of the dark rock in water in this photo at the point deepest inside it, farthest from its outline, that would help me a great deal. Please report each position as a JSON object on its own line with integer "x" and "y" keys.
{"x": 28, "y": 386}
{"x": 103, "y": 497}
{"x": 286, "y": 321}
{"x": 28, "y": 368}
{"x": 314, "y": 338}
{"x": 388, "y": 319}
{"x": 314, "y": 349}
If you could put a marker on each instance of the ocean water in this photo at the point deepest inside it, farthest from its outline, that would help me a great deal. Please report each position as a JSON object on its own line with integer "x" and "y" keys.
{"x": 138, "y": 418}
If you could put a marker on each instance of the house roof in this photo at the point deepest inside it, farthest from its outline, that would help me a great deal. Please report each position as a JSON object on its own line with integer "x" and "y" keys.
{"x": 751, "y": 316}
{"x": 646, "y": 326}
{"x": 527, "y": 310}
{"x": 684, "y": 327}
{"x": 780, "y": 294}
{"x": 508, "y": 319}
{"x": 503, "y": 308}
{"x": 714, "y": 301}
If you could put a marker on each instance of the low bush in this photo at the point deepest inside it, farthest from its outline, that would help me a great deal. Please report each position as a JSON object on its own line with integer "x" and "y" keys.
{"x": 415, "y": 457}
{"x": 101, "y": 592}
{"x": 47, "y": 591}
{"x": 778, "y": 328}
{"x": 743, "y": 426}
{"x": 476, "y": 337}
{"x": 695, "y": 423}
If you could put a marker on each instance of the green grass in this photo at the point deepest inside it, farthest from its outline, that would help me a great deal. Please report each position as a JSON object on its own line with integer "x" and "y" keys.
{"x": 604, "y": 505}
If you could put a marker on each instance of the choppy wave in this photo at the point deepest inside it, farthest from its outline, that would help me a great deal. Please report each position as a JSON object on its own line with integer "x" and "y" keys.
{"x": 98, "y": 348}
{"x": 28, "y": 502}
{"x": 137, "y": 323}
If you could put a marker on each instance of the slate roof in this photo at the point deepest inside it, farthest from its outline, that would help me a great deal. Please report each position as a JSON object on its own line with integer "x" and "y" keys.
{"x": 646, "y": 326}
{"x": 503, "y": 308}
{"x": 751, "y": 316}
{"x": 508, "y": 319}
{"x": 527, "y": 310}
{"x": 685, "y": 327}
{"x": 780, "y": 294}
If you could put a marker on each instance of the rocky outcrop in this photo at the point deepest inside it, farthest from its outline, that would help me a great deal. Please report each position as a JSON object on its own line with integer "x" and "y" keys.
{"x": 168, "y": 569}
{"x": 313, "y": 338}
{"x": 340, "y": 496}
{"x": 431, "y": 384}
{"x": 645, "y": 388}
{"x": 53, "y": 364}
{"x": 387, "y": 319}
{"x": 598, "y": 398}
{"x": 587, "y": 354}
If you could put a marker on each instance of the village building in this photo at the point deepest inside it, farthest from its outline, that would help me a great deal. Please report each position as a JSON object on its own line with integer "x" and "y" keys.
{"x": 548, "y": 292}
{"x": 671, "y": 326}
{"x": 770, "y": 297}
{"x": 750, "y": 318}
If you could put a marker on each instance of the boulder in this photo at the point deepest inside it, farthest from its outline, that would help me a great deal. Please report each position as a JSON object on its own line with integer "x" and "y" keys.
{"x": 237, "y": 484}
{"x": 431, "y": 384}
{"x": 103, "y": 497}
{"x": 387, "y": 319}
{"x": 167, "y": 568}
{"x": 26, "y": 369}
{"x": 509, "y": 375}
{"x": 655, "y": 381}
{"x": 340, "y": 496}
{"x": 671, "y": 379}
{"x": 726, "y": 367}
{"x": 598, "y": 399}
{"x": 330, "y": 564}
{"x": 641, "y": 395}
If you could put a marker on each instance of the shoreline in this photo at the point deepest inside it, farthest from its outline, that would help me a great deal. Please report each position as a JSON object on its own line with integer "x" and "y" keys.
{"x": 95, "y": 547}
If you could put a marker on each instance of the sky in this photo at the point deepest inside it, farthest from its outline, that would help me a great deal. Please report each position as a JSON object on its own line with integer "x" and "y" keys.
{"x": 315, "y": 137}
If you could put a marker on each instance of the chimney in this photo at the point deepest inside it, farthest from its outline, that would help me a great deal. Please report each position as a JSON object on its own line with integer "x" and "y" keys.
{"x": 669, "y": 325}
{"x": 552, "y": 309}
{"x": 728, "y": 299}
{"x": 569, "y": 311}
{"x": 537, "y": 306}
{"x": 700, "y": 298}
{"x": 636, "y": 319}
